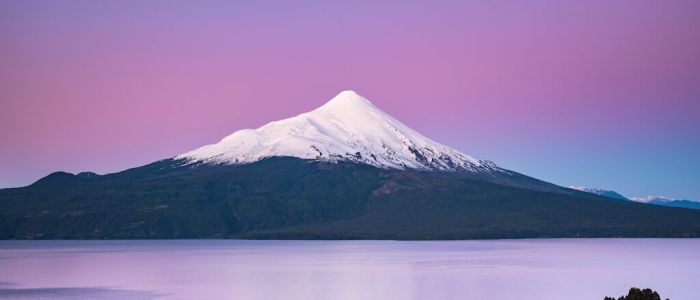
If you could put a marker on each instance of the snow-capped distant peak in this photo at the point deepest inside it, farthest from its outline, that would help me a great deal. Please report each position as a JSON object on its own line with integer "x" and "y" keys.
{"x": 601, "y": 192}
{"x": 346, "y": 128}
{"x": 648, "y": 199}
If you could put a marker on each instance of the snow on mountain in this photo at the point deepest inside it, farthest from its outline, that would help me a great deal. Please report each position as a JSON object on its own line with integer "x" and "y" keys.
{"x": 601, "y": 192}
{"x": 347, "y": 128}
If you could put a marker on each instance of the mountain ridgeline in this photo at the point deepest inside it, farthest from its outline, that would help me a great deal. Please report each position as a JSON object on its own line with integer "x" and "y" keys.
{"x": 343, "y": 171}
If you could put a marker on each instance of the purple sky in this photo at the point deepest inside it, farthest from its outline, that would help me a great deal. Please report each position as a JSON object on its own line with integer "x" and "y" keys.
{"x": 595, "y": 93}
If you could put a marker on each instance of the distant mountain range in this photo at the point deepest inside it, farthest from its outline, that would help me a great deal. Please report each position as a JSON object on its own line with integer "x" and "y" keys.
{"x": 665, "y": 201}
{"x": 656, "y": 200}
{"x": 346, "y": 170}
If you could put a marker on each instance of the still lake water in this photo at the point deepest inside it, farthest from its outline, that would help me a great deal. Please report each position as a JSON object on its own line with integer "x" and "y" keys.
{"x": 228, "y": 269}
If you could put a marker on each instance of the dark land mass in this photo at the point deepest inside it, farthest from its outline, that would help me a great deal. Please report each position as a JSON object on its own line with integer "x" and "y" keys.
{"x": 289, "y": 198}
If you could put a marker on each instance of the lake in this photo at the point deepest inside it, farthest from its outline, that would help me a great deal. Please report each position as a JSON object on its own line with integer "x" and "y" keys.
{"x": 232, "y": 269}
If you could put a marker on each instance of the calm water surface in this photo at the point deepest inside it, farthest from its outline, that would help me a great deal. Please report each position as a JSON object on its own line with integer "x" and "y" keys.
{"x": 217, "y": 269}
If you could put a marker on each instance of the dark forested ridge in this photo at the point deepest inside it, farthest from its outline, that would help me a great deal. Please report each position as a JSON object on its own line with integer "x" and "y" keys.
{"x": 288, "y": 198}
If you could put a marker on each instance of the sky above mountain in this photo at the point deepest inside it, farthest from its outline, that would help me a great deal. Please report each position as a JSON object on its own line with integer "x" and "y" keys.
{"x": 596, "y": 93}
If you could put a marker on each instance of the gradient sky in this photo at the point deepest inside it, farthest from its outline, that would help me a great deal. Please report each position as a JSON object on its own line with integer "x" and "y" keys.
{"x": 595, "y": 93}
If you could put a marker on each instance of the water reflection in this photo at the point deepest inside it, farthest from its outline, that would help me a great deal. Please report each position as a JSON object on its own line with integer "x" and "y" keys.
{"x": 75, "y": 293}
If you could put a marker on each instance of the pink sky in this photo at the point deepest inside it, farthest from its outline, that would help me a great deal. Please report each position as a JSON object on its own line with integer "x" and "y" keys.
{"x": 597, "y": 93}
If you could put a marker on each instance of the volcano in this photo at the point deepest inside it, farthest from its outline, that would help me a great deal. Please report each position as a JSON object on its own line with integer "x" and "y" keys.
{"x": 346, "y": 170}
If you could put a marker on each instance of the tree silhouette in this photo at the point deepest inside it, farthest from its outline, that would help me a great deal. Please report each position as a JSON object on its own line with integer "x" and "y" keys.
{"x": 637, "y": 294}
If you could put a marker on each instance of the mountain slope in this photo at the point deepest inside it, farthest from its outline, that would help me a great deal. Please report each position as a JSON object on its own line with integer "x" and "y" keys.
{"x": 290, "y": 198}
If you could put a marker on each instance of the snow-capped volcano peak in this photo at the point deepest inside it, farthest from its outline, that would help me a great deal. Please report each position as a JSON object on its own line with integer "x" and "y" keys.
{"x": 348, "y": 127}
{"x": 348, "y": 99}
